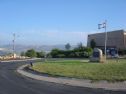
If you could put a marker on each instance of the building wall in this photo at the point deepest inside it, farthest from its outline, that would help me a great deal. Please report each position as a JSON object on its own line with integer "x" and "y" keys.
{"x": 114, "y": 39}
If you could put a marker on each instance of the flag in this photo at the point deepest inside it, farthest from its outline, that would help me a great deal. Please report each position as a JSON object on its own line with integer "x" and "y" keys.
{"x": 103, "y": 25}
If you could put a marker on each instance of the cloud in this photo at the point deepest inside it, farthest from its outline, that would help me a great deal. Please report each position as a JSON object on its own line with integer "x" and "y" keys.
{"x": 50, "y": 37}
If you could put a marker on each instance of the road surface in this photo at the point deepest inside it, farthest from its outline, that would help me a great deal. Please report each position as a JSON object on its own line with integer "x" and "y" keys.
{"x": 13, "y": 83}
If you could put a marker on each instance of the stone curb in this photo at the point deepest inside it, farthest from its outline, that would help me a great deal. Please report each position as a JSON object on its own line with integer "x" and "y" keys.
{"x": 75, "y": 82}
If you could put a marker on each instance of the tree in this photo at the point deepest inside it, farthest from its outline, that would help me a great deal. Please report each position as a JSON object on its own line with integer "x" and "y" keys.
{"x": 67, "y": 46}
{"x": 40, "y": 54}
{"x": 31, "y": 53}
{"x": 93, "y": 44}
{"x": 55, "y": 52}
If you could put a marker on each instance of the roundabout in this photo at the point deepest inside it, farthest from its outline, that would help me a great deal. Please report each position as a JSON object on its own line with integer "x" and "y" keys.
{"x": 14, "y": 83}
{"x": 70, "y": 81}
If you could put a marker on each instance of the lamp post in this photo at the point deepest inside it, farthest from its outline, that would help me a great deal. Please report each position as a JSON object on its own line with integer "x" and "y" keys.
{"x": 100, "y": 26}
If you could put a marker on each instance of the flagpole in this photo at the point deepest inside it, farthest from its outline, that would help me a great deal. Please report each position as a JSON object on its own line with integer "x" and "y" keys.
{"x": 103, "y": 25}
{"x": 105, "y": 40}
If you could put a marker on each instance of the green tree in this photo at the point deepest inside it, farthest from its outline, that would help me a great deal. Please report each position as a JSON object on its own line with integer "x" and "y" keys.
{"x": 40, "y": 54}
{"x": 55, "y": 52}
{"x": 93, "y": 44}
{"x": 67, "y": 46}
{"x": 31, "y": 53}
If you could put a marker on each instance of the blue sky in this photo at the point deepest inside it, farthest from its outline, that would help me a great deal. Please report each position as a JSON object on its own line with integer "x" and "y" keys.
{"x": 50, "y": 22}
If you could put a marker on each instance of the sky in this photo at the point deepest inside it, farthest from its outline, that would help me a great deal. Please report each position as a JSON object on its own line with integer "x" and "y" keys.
{"x": 52, "y": 22}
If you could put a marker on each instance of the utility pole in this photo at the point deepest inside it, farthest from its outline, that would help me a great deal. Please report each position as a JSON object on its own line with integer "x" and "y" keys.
{"x": 13, "y": 45}
{"x": 100, "y": 26}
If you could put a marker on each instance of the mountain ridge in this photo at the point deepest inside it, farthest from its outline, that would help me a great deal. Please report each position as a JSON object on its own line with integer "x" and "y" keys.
{"x": 22, "y": 48}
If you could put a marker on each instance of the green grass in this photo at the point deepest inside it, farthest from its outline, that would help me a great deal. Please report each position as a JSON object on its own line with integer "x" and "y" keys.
{"x": 110, "y": 71}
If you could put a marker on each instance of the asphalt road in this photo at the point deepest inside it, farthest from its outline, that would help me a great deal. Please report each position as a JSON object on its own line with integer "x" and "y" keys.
{"x": 13, "y": 83}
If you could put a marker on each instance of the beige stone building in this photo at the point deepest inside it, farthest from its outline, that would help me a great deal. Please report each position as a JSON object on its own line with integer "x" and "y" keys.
{"x": 115, "y": 39}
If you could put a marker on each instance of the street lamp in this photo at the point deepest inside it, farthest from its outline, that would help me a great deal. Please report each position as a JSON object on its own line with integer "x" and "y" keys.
{"x": 100, "y": 26}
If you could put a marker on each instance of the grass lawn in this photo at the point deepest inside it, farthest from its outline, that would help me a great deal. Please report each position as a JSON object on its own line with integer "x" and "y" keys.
{"x": 110, "y": 71}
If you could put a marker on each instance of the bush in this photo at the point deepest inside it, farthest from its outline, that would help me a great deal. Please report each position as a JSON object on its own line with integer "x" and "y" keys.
{"x": 80, "y": 52}
{"x": 40, "y": 54}
{"x": 31, "y": 53}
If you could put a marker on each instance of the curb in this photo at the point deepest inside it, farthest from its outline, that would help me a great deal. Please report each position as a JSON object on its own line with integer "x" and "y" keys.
{"x": 75, "y": 82}
{"x": 19, "y": 60}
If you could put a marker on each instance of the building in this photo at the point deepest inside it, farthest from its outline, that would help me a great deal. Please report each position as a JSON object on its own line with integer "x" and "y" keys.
{"x": 115, "y": 39}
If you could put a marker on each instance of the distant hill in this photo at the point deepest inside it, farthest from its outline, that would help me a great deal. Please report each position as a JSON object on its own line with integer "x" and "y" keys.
{"x": 20, "y": 48}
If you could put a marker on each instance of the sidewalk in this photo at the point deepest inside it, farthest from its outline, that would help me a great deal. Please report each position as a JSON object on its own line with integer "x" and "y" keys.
{"x": 75, "y": 82}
